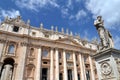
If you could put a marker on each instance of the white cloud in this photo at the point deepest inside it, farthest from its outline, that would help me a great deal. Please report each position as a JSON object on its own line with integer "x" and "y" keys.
{"x": 64, "y": 12}
{"x": 11, "y": 13}
{"x": 36, "y": 4}
{"x": 77, "y": 0}
{"x": 69, "y": 4}
{"x": 117, "y": 42}
{"x": 80, "y": 14}
{"x": 108, "y": 9}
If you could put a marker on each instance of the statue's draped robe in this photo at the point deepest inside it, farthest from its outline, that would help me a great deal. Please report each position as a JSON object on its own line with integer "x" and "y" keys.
{"x": 105, "y": 37}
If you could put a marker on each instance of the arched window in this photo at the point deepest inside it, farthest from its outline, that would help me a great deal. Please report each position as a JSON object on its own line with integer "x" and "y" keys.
{"x": 68, "y": 56}
{"x": 45, "y": 53}
{"x": 11, "y": 49}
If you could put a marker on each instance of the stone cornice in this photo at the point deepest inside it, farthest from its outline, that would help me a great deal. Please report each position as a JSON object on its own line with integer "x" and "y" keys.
{"x": 106, "y": 51}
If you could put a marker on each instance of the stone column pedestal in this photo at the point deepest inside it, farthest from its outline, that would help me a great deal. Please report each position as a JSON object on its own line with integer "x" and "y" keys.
{"x": 108, "y": 64}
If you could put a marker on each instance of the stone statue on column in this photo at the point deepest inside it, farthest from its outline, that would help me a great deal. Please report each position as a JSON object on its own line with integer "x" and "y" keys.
{"x": 105, "y": 36}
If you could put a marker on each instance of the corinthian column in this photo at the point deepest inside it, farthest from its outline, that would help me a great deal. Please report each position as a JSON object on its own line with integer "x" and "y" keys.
{"x": 21, "y": 64}
{"x": 82, "y": 67}
{"x": 65, "y": 66}
{"x": 38, "y": 66}
{"x": 75, "y": 68}
{"x": 51, "y": 64}
{"x": 1, "y": 49}
{"x": 91, "y": 68}
{"x": 57, "y": 65}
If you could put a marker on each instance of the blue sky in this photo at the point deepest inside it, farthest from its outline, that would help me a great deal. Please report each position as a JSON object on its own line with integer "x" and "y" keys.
{"x": 76, "y": 15}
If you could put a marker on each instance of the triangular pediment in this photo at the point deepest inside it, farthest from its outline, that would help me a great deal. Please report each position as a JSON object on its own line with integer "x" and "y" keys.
{"x": 68, "y": 41}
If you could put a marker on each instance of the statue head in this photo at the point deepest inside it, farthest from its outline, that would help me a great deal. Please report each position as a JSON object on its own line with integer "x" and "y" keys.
{"x": 99, "y": 17}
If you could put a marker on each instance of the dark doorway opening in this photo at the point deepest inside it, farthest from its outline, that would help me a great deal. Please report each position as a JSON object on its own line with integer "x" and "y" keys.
{"x": 44, "y": 73}
{"x": 60, "y": 76}
{"x": 69, "y": 74}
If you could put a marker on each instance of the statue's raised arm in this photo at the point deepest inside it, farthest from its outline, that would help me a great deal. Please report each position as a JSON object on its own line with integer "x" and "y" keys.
{"x": 105, "y": 36}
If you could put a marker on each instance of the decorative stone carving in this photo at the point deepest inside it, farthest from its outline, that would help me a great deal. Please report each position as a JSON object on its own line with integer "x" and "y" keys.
{"x": 105, "y": 36}
{"x": 2, "y": 41}
{"x": 106, "y": 68}
{"x": 118, "y": 64}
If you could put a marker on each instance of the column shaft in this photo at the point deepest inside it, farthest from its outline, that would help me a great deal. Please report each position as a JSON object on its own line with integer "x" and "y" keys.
{"x": 21, "y": 64}
{"x": 75, "y": 68}
{"x": 57, "y": 65}
{"x": 7, "y": 73}
{"x": 38, "y": 66}
{"x": 51, "y": 65}
{"x": 82, "y": 68}
{"x": 14, "y": 72}
{"x": 91, "y": 68}
{"x": 65, "y": 66}
{"x": 2, "y": 74}
{"x": 1, "y": 49}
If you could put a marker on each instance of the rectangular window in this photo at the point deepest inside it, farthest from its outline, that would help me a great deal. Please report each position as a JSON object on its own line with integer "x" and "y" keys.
{"x": 15, "y": 28}
{"x": 11, "y": 49}
{"x": 67, "y": 56}
{"x": 45, "y": 53}
{"x": 46, "y": 35}
{"x": 33, "y": 33}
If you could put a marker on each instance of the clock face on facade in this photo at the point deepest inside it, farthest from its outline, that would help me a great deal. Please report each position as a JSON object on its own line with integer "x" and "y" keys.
{"x": 106, "y": 68}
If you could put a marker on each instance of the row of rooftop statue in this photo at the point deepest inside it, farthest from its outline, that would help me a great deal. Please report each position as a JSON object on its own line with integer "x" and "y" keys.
{"x": 105, "y": 36}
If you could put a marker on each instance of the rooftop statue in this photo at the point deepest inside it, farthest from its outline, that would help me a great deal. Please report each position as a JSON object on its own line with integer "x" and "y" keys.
{"x": 105, "y": 36}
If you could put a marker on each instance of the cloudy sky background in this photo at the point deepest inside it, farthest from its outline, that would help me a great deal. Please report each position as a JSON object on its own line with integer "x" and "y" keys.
{"x": 76, "y": 15}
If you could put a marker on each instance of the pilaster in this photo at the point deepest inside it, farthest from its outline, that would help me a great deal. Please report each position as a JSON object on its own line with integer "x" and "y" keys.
{"x": 21, "y": 63}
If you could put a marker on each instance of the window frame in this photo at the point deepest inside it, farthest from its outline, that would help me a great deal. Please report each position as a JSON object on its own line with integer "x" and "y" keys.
{"x": 14, "y": 30}
{"x": 45, "y": 49}
{"x": 14, "y": 51}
